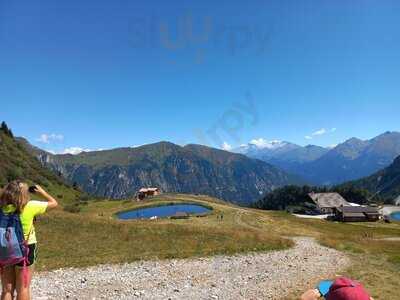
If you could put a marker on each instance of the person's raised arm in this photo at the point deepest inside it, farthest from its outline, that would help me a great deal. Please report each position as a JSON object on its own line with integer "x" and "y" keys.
{"x": 52, "y": 203}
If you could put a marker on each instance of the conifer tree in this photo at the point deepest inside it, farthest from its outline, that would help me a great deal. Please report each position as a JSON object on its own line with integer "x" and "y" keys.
{"x": 6, "y": 130}
{"x": 4, "y": 127}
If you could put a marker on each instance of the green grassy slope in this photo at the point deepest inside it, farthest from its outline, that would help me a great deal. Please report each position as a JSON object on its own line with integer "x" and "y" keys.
{"x": 17, "y": 163}
{"x": 94, "y": 236}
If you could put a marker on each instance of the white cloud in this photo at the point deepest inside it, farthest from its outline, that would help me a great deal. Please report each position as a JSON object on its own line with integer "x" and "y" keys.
{"x": 225, "y": 146}
{"x": 322, "y": 131}
{"x": 43, "y": 139}
{"x": 47, "y": 138}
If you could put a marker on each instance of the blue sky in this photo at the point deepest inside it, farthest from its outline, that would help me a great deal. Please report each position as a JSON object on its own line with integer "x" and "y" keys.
{"x": 103, "y": 74}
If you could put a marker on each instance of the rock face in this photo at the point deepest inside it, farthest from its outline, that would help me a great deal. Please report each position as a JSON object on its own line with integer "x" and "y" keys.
{"x": 119, "y": 173}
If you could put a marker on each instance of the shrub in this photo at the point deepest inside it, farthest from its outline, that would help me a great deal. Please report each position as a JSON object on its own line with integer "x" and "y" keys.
{"x": 83, "y": 198}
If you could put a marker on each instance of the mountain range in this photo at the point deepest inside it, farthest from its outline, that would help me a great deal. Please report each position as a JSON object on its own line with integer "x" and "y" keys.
{"x": 120, "y": 173}
{"x": 241, "y": 176}
{"x": 353, "y": 159}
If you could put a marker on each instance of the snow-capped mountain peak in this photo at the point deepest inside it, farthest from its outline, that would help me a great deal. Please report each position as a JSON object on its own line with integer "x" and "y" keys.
{"x": 259, "y": 148}
{"x": 263, "y": 143}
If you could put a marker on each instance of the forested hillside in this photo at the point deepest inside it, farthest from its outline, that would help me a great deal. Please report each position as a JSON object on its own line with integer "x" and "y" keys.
{"x": 383, "y": 184}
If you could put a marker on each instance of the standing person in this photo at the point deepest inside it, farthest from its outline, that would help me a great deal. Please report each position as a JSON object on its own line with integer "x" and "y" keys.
{"x": 15, "y": 199}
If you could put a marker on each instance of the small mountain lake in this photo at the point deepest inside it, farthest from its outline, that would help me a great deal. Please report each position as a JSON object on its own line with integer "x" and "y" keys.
{"x": 163, "y": 211}
{"x": 395, "y": 216}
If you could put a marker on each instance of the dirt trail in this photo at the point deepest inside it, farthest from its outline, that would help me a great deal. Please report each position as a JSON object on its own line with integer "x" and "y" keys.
{"x": 271, "y": 275}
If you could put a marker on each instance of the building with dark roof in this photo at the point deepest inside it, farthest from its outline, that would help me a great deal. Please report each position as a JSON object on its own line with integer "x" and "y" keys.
{"x": 146, "y": 192}
{"x": 356, "y": 214}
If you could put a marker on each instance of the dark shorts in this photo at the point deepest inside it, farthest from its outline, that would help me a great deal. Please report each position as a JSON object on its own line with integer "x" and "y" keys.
{"x": 31, "y": 256}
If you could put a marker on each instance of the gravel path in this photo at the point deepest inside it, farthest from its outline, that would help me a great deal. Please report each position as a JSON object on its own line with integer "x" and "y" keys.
{"x": 271, "y": 275}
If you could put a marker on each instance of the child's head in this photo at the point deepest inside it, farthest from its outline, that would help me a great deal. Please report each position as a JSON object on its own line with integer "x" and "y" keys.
{"x": 16, "y": 193}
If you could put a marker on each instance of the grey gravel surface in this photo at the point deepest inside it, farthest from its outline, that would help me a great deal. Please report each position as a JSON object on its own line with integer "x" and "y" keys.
{"x": 271, "y": 275}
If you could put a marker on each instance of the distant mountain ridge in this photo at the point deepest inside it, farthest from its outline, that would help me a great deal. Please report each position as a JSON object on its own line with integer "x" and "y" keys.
{"x": 119, "y": 173}
{"x": 264, "y": 150}
{"x": 354, "y": 159}
{"x": 350, "y": 160}
{"x": 281, "y": 151}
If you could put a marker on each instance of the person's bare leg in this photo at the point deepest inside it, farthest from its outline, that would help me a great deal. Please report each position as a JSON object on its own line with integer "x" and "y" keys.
{"x": 8, "y": 283}
{"x": 23, "y": 288}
